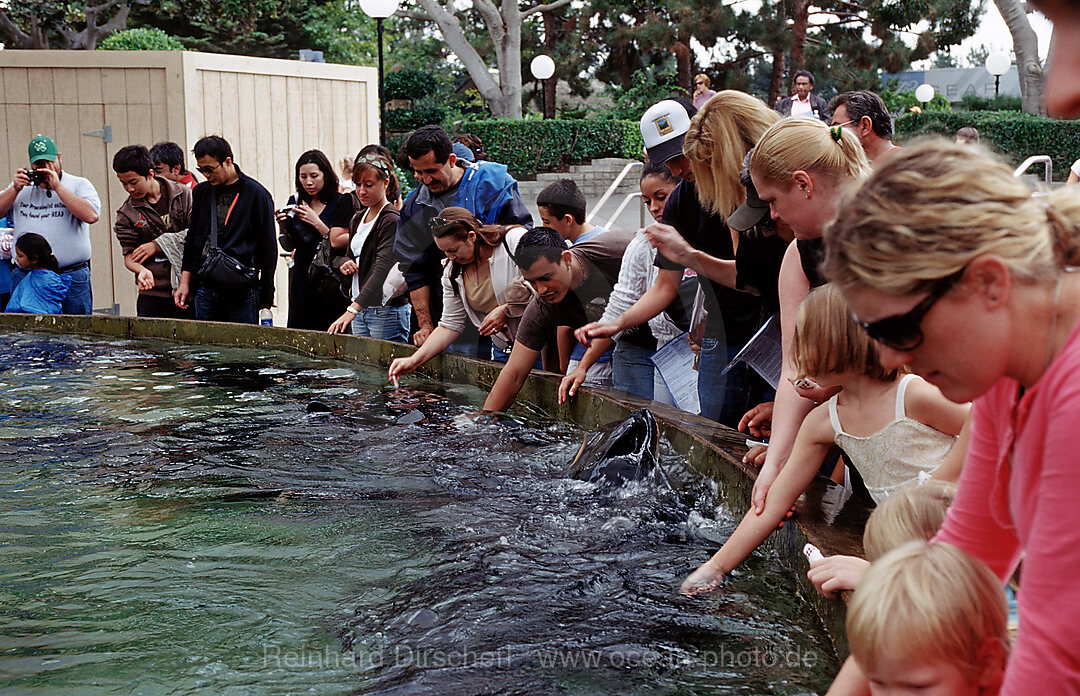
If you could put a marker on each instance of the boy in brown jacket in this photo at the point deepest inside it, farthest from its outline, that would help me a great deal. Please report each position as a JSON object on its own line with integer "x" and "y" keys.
{"x": 151, "y": 227}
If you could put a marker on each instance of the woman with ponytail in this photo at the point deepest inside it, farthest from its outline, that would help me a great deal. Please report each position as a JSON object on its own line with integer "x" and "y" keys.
{"x": 963, "y": 275}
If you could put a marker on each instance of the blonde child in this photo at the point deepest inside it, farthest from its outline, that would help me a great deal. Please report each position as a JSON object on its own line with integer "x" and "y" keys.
{"x": 891, "y": 427}
{"x": 929, "y": 619}
{"x": 913, "y": 513}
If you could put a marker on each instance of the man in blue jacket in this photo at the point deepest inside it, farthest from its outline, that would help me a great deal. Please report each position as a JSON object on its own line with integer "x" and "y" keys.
{"x": 484, "y": 188}
{"x": 246, "y": 232}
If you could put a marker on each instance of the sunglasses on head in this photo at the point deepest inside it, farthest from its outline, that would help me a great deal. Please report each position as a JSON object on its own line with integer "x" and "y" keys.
{"x": 902, "y": 331}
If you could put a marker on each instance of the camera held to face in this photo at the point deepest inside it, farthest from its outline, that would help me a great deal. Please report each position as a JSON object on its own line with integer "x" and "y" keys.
{"x": 37, "y": 177}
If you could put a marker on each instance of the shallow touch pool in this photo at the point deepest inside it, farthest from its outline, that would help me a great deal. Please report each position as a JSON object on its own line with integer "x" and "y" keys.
{"x": 174, "y": 520}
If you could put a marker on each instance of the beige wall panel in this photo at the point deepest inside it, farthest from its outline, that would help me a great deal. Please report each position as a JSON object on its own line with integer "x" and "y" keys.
{"x": 18, "y": 136}
{"x": 114, "y": 86}
{"x": 270, "y": 110}
{"x": 211, "y": 98}
{"x": 69, "y": 138}
{"x": 65, "y": 85}
{"x": 16, "y": 86}
{"x": 160, "y": 104}
{"x": 229, "y": 105}
{"x": 137, "y": 82}
{"x": 89, "y": 86}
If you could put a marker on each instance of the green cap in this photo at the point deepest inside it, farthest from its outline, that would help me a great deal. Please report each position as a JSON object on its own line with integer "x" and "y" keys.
{"x": 42, "y": 147}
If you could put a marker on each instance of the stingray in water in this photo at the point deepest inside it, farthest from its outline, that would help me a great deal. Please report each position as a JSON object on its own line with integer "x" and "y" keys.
{"x": 626, "y": 450}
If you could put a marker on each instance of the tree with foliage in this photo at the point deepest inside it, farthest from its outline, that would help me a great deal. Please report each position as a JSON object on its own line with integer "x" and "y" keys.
{"x": 269, "y": 28}
{"x": 1026, "y": 47}
{"x": 40, "y": 24}
{"x": 503, "y": 24}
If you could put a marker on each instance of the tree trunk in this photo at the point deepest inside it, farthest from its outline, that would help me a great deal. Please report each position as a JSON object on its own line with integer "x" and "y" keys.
{"x": 800, "y": 14}
{"x": 1026, "y": 46}
{"x": 684, "y": 63}
{"x": 551, "y": 31}
{"x": 776, "y": 80}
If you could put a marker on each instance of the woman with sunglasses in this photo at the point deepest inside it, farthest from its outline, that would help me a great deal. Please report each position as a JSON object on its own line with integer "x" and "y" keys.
{"x": 479, "y": 272}
{"x": 799, "y": 167}
{"x": 961, "y": 274}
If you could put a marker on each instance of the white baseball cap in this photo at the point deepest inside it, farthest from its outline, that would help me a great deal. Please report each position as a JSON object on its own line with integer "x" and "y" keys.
{"x": 663, "y": 128}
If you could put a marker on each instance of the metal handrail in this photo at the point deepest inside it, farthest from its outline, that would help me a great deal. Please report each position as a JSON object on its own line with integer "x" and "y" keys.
{"x": 622, "y": 206}
{"x": 1035, "y": 159}
{"x": 611, "y": 189}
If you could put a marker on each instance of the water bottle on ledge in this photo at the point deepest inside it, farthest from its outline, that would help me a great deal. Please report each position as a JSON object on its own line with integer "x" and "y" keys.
{"x": 266, "y": 317}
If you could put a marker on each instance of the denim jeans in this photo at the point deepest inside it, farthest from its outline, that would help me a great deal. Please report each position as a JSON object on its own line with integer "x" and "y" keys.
{"x": 724, "y": 398}
{"x": 633, "y": 372}
{"x": 80, "y": 298}
{"x": 240, "y": 306}
{"x": 385, "y": 323}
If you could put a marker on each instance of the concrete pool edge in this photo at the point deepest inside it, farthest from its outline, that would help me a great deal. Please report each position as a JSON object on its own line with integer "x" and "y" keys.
{"x": 712, "y": 449}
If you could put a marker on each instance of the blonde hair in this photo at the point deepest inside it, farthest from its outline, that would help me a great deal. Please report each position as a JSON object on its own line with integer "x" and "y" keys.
{"x": 933, "y": 207}
{"x": 720, "y": 135}
{"x": 807, "y": 144}
{"x": 913, "y": 512}
{"x": 703, "y": 76}
{"x": 828, "y": 341}
{"x": 926, "y": 603}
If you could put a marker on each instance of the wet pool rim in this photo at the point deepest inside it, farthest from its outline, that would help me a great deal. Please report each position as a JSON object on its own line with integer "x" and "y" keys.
{"x": 712, "y": 449}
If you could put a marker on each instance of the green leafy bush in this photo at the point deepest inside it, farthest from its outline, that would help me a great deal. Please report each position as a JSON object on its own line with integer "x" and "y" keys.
{"x": 141, "y": 39}
{"x": 1002, "y": 102}
{"x": 409, "y": 84}
{"x": 1015, "y": 135}
{"x": 410, "y": 119}
{"x": 528, "y": 147}
{"x": 897, "y": 102}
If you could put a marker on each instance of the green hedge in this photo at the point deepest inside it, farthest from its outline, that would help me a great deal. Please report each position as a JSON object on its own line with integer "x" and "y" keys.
{"x": 399, "y": 120}
{"x": 409, "y": 84}
{"x": 1015, "y": 135}
{"x": 140, "y": 39}
{"x": 528, "y": 147}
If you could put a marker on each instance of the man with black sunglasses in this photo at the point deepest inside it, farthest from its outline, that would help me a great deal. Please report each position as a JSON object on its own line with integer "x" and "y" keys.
{"x": 236, "y": 214}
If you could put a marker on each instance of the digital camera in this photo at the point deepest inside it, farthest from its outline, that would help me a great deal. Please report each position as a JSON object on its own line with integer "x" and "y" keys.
{"x": 37, "y": 177}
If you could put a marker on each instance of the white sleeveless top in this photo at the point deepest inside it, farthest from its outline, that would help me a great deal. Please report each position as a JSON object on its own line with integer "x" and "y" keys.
{"x": 897, "y": 453}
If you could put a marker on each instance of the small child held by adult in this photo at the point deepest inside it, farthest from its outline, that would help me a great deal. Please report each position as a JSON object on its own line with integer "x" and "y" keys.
{"x": 43, "y": 289}
{"x": 929, "y": 618}
{"x": 892, "y": 428}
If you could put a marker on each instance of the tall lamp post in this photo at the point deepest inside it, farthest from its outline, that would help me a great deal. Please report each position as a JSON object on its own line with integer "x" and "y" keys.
{"x": 997, "y": 64}
{"x": 380, "y": 10}
{"x": 924, "y": 93}
{"x": 543, "y": 67}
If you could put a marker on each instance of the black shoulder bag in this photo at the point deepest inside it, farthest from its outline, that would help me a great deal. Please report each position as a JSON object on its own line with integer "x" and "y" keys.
{"x": 221, "y": 270}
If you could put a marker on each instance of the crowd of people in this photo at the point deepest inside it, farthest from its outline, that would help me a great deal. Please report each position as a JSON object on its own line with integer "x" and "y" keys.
{"x": 929, "y": 323}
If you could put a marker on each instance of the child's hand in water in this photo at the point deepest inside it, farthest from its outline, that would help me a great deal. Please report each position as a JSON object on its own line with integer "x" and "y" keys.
{"x": 705, "y": 579}
{"x": 837, "y": 573}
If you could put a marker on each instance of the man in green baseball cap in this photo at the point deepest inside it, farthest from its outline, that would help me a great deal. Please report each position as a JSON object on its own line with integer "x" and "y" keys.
{"x": 42, "y": 147}
{"x": 60, "y": 207}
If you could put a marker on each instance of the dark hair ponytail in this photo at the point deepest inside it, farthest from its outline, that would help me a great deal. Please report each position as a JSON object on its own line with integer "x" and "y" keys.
{"x": 37, "y": 248}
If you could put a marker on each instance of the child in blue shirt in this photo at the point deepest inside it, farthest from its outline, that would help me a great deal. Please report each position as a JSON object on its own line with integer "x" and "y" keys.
{"x": 43, "y": 289}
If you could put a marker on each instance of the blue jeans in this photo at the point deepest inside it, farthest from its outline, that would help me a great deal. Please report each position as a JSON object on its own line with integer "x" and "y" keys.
{"x": 80, "y": 298}
{"x": 631, "y": 369}
{"x": 240, "y": 306}
{"x": 723, "y": 398}
{"x": 385, "y": 323}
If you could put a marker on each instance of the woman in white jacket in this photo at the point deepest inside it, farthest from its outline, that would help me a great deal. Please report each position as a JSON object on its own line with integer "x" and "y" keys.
{"x": 479, "y": 269}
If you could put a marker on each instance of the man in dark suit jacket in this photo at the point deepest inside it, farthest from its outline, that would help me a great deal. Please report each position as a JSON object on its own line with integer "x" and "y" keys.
{"x": 803, "y": 103}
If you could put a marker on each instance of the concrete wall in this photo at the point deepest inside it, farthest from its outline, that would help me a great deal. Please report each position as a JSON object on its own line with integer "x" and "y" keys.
{"x": 269, "y": 110}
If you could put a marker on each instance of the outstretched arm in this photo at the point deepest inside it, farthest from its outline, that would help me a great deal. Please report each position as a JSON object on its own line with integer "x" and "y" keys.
{"x": 512, "y": 376}
{"x": 655, "y": 300}
{"x": 812, "y": 444}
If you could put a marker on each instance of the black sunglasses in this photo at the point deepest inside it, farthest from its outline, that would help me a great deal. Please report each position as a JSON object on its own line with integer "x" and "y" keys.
{"x": 902, "y": 331}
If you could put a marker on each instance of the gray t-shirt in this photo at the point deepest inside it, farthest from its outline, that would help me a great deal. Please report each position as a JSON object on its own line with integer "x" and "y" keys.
{"x": 601, "y": 257}
{"x": 69, "y": 237}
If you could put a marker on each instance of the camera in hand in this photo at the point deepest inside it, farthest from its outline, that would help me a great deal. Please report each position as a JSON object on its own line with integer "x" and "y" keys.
{"x": 37, "y": 177}
{"x": 290, "y": 211}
